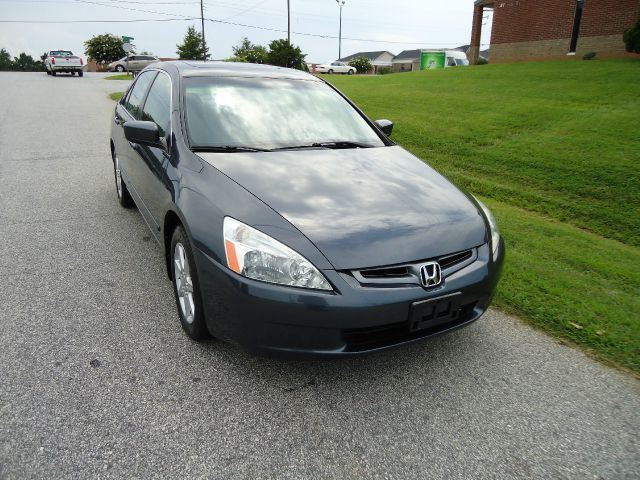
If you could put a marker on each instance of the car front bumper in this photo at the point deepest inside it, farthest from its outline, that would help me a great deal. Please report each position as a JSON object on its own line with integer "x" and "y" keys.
{"x": 353, "y": 320}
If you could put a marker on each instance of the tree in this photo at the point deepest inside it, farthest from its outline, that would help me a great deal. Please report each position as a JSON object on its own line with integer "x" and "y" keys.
{"x": 104, "y": 48}
{"x": 249, "y": 52}
{"x": 631, "y": 38}
{"x": 26, "y": 63}
{"x": 362, "y": 64}
{"x": 191, "y": 47}
{"x": 5, "y": 60}
{"x": 284, "y": 54}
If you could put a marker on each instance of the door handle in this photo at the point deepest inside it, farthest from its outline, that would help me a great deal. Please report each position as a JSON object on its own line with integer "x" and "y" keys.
{"x": 117, "y": 120}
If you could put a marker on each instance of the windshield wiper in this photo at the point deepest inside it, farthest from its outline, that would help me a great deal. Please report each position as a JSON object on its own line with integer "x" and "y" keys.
{"x": 333, "y": 145}
{"x": 226, "y": 148}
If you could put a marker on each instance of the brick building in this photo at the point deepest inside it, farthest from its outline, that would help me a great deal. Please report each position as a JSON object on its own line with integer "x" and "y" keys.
{"x": 543, "y": 29}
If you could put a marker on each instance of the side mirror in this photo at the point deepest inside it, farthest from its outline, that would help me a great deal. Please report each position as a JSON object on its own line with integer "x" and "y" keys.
{"x": 143, "y": 133}
{"x": 386, "y": 126}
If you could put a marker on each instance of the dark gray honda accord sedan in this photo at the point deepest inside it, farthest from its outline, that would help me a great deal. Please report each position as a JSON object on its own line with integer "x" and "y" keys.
{"x": 290, "y": 222}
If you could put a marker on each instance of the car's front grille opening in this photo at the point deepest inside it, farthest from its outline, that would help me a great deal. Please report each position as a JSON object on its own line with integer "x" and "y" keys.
{"x": 454, "y": 259}
{"x": 390, "y": 272}
{"x": 370, "y": 338}
{"x": 409, "y": 274}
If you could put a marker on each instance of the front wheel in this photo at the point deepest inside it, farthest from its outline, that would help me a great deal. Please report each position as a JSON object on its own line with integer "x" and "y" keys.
{"x": 350, "y": 72}
{"x": 330, "y": 71}
{"x": 119, "y": 68}
{"x": 186, "y": 286}
{"x": 80, "y": 73}
{"x": 53, "y": 73}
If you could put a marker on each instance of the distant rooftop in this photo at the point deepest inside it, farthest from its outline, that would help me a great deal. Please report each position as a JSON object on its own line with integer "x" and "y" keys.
{"x": 370, "y": 55}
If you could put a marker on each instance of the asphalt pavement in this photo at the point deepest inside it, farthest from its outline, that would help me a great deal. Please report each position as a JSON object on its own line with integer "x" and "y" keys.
{"x": 97, "y": 379}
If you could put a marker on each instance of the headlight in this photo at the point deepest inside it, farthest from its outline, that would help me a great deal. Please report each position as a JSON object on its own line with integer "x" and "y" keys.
{"x": 493, "y": 226}
{"x": 256, "y": 255}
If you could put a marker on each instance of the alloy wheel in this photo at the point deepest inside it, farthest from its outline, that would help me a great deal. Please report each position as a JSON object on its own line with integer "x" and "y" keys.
{"x": 183, "y": 283}
{"x": 118, "y": 174}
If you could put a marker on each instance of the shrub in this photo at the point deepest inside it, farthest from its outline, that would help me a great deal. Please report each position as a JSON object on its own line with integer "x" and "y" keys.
{"x": 284, "y": 54}
{"x": 384, "y": 71}
{"x": 250, "y": 52}
{"x": 589, "y": 56}
{"x": 104, "y": 48}
{"x": 631, "y": 38}
{"x": 361, "y": 64}
{"x": 482, "y": 61}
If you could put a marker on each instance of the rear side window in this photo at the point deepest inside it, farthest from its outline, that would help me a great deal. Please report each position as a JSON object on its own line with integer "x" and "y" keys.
{"x": 157, "y": 108}
{"x": 136, "y": 96}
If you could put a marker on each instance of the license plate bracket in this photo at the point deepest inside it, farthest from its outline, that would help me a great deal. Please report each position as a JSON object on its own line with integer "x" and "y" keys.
{"x": 434, "y": 311}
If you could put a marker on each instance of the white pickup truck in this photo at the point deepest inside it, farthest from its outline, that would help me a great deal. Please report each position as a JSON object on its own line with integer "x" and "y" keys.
{"x": 57, "y": 61}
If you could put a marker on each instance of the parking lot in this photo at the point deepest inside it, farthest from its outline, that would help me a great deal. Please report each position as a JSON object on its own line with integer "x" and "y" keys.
{"x": 97, "y": 379}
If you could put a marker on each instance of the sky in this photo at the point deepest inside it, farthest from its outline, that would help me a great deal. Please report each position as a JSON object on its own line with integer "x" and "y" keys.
{"x": 367, "y": 25}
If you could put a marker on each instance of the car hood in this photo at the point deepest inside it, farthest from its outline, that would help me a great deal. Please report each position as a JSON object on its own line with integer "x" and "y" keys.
{"x": 361, "y": 207}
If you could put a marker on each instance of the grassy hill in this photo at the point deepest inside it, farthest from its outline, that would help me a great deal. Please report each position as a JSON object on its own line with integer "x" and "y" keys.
{"x": 554, "y": 148}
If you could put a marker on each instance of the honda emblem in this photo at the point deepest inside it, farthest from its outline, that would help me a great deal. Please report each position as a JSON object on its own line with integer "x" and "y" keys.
{"x": 430, "y": 274}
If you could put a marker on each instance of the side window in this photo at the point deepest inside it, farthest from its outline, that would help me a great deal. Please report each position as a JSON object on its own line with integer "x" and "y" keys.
{"x": 134, "y": 100}
{"x": 157, "y": 108}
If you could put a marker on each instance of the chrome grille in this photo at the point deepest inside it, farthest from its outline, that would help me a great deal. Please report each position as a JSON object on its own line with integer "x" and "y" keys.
{"x": 410, "y": 273}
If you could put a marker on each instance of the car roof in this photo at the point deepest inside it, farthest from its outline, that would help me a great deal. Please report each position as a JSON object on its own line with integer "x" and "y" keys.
{"x": 190, "y": 68}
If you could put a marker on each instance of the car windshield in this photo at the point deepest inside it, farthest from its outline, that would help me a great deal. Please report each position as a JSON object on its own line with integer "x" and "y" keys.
{"x": 462, "y": 62}
{"x": 267, "y": 113}
{"x": 61, "y": 53}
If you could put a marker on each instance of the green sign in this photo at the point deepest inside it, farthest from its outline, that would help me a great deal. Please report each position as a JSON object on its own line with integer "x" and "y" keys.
{"x": 127, "y": 39}
{"x": 432, "y": 60}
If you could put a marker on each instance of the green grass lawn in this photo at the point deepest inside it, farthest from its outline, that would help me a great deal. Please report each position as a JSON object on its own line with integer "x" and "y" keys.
{"x": 116, "y": 96}
{"x": 554, "y": 149}
{"x": 120, "y": 76}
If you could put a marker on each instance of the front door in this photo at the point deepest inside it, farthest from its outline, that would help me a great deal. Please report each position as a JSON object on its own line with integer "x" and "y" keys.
{"x": 153, "y": 184}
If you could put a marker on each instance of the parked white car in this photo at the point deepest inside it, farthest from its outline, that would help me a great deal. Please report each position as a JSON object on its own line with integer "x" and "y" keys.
{"x": 133, "y": 63}
{"x": 59, "y": 61}
{"x": 336, "y": 67}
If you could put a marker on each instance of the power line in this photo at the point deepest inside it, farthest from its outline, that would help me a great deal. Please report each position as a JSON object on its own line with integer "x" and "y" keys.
{"x": 225, "y": 22}
{"x": 248, "y": 9}
{"x": 318, "y": 35}
{"x": 105, "y": 21}
{"x": 128, "y": 8}
{"x": 106, "y": 5}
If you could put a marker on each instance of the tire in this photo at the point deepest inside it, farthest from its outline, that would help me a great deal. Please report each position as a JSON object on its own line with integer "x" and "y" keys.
{"x": 48, "y": 72}
{"x": 119, "y": 68}
{"x": 124, "y": 197}
{"x": 80, "y": 73}
{"x": 53, "y": 73}
{"x": 73, "y": 73}
{"x": 350, "y": 72}
{"x": 186, "y": 286}
{"x": 330, "y": 72}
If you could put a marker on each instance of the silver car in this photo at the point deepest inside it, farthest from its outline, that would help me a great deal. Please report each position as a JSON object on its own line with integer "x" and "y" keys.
{"x": 132, "y": 63}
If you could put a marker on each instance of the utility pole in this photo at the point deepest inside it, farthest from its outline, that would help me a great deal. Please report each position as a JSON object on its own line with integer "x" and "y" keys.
{"x": 340, "y": 4}
{"x": 204, "y": 45}
{"x": 289, "y": 21}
